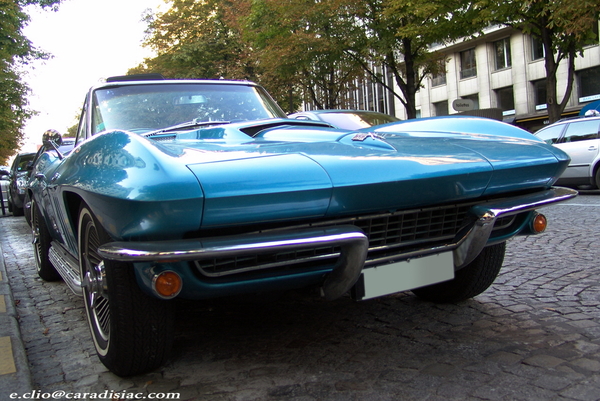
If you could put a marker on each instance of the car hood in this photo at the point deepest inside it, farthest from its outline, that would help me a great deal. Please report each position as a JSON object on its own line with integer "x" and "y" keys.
{"x": 292, "y": 172}
{"x": 222, "y": 177}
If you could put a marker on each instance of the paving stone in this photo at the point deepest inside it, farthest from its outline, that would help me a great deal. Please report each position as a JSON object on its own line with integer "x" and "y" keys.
{"x": 534, "y": 335}
{"x": 553, "y": 382}
{"x": 587, "y": 364}
{"x": 582, "y": 392}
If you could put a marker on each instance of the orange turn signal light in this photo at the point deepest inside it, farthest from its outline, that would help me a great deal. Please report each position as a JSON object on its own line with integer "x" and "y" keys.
{"x": 167, "y": 284}
{"x": 539, "y": 223}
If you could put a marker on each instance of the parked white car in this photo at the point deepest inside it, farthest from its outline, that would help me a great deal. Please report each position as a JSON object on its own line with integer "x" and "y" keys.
{"x": 580, "y": 139}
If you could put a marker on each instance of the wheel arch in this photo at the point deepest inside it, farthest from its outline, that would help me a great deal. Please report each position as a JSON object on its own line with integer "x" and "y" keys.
{"x": 73, "y": 202}
{"x": 595, "y": 172}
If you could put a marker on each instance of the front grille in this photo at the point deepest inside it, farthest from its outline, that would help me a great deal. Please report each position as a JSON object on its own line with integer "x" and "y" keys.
{"x": 389, "y": 234}
{"x": 306, "y": 258}
{"x": 413, "y": 227}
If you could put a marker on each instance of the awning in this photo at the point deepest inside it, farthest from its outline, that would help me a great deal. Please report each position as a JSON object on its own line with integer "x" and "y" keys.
{"x": 538, "y": 117}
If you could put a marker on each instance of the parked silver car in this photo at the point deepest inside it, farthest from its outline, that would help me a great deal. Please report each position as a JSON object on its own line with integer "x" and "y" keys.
{"x": 4, "y": 182}
{"x": 580, "y": 139}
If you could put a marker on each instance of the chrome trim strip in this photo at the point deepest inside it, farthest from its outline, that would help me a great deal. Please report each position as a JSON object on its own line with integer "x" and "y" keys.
{"x": 525, "y": 203}
{"x": 67, "y": 266}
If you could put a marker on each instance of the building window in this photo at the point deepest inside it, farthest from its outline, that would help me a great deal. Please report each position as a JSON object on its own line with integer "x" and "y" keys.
{"x": 539, "y": 91}
{"x": 594, "y": 38}
{"x": 441, "y": 108}
{"x": 439, "y": 79}
{"x": 506, "y": 100}
{"x": 468, "y": 66}
{"x": 502, "y": 49}
{"x": 364, "y": 94}
{"x": 589, "y": 84}
{"x": 537, "y": 48}
{"x": 474, "y": 98}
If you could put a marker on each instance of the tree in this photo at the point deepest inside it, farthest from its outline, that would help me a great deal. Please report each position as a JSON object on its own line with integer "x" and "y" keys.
{"x": 322, "y": 43}
{"x": 282, "y": 46}
{"x": 205, "y": 39}
{"x": 16, "y": 51}
{"x": 312, "y": 48}
{"x": 300, "y": 44}
{"x": 564, "y": 27}
{"x": 397, "y": 34}
{"x": 196, "y": 39}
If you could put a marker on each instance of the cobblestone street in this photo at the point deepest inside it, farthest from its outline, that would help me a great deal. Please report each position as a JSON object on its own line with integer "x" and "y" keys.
{"x": 534, "y": 335}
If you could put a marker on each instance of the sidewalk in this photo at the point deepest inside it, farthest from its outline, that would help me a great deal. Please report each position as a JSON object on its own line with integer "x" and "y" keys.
{"x": 15, "y": 376}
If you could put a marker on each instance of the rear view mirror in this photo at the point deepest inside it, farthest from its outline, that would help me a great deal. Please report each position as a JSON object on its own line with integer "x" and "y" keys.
{"x": 191, "y": 99}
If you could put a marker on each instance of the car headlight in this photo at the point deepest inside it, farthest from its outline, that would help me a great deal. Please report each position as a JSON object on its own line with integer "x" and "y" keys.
{"x": 21, "y": 184}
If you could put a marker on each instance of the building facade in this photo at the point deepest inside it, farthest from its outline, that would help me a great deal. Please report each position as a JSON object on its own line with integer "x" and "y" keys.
{"x": 504, "y": 69}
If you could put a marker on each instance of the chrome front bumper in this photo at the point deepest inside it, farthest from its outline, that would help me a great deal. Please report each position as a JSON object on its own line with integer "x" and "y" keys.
{"x": 353, "y": 244}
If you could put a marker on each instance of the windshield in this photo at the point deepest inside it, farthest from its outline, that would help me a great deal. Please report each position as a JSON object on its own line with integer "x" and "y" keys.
{"x": 23, "y": 160}
{"x": 144, "y": 108}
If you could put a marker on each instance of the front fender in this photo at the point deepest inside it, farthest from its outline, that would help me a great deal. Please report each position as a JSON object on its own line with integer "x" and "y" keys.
{"x": 124, "y": 165}
{"x": 135, "y": 187}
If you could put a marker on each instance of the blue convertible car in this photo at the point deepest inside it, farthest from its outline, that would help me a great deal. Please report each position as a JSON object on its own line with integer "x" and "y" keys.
{"x": 200, "y": 189}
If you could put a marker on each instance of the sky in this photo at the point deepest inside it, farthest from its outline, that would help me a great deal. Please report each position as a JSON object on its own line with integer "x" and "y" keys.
{"x": 89, "y": 40}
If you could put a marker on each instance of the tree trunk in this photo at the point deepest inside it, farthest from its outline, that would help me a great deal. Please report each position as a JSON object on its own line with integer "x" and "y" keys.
{"x": 410, "y": 80}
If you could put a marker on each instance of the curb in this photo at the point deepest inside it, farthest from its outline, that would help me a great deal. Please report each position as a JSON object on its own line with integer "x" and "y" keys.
{"x": 15, "y": 375}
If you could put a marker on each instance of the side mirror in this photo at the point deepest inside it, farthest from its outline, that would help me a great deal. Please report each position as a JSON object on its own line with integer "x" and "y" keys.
{"x": 52, "y": 139}
{"x": 4, "y": 172}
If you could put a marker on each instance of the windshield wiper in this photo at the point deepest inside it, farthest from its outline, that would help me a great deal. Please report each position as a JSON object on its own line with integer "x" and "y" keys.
{"x": 187, "y": 125}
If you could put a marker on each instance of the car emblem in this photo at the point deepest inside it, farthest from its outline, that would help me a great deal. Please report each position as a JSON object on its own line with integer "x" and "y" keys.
{"x": 362, "y": 137}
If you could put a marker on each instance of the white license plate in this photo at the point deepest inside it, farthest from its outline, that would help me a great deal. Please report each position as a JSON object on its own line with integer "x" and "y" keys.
{"x": 407, "y": 275}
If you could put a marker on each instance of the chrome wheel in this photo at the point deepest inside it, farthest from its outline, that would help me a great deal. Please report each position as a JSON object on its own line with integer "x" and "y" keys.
{"x": 95, "y": 290}
{"x": 97, "y": 299}
{"x": 132, "y": 332}
{"x": 35, "y": 241}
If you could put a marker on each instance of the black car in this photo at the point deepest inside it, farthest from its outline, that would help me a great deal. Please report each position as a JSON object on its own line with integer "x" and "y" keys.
{"x": 18, "y": 182}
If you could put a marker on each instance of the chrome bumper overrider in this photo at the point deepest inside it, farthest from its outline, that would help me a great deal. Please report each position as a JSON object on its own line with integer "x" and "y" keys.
{"x": 351, "y": 241}
{"x": 473, "y": 242}
{"x": 354, "y": 245}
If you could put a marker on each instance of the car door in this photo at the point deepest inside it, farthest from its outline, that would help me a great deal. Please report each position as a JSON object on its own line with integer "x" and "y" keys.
{"x": 580, "y": 141}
